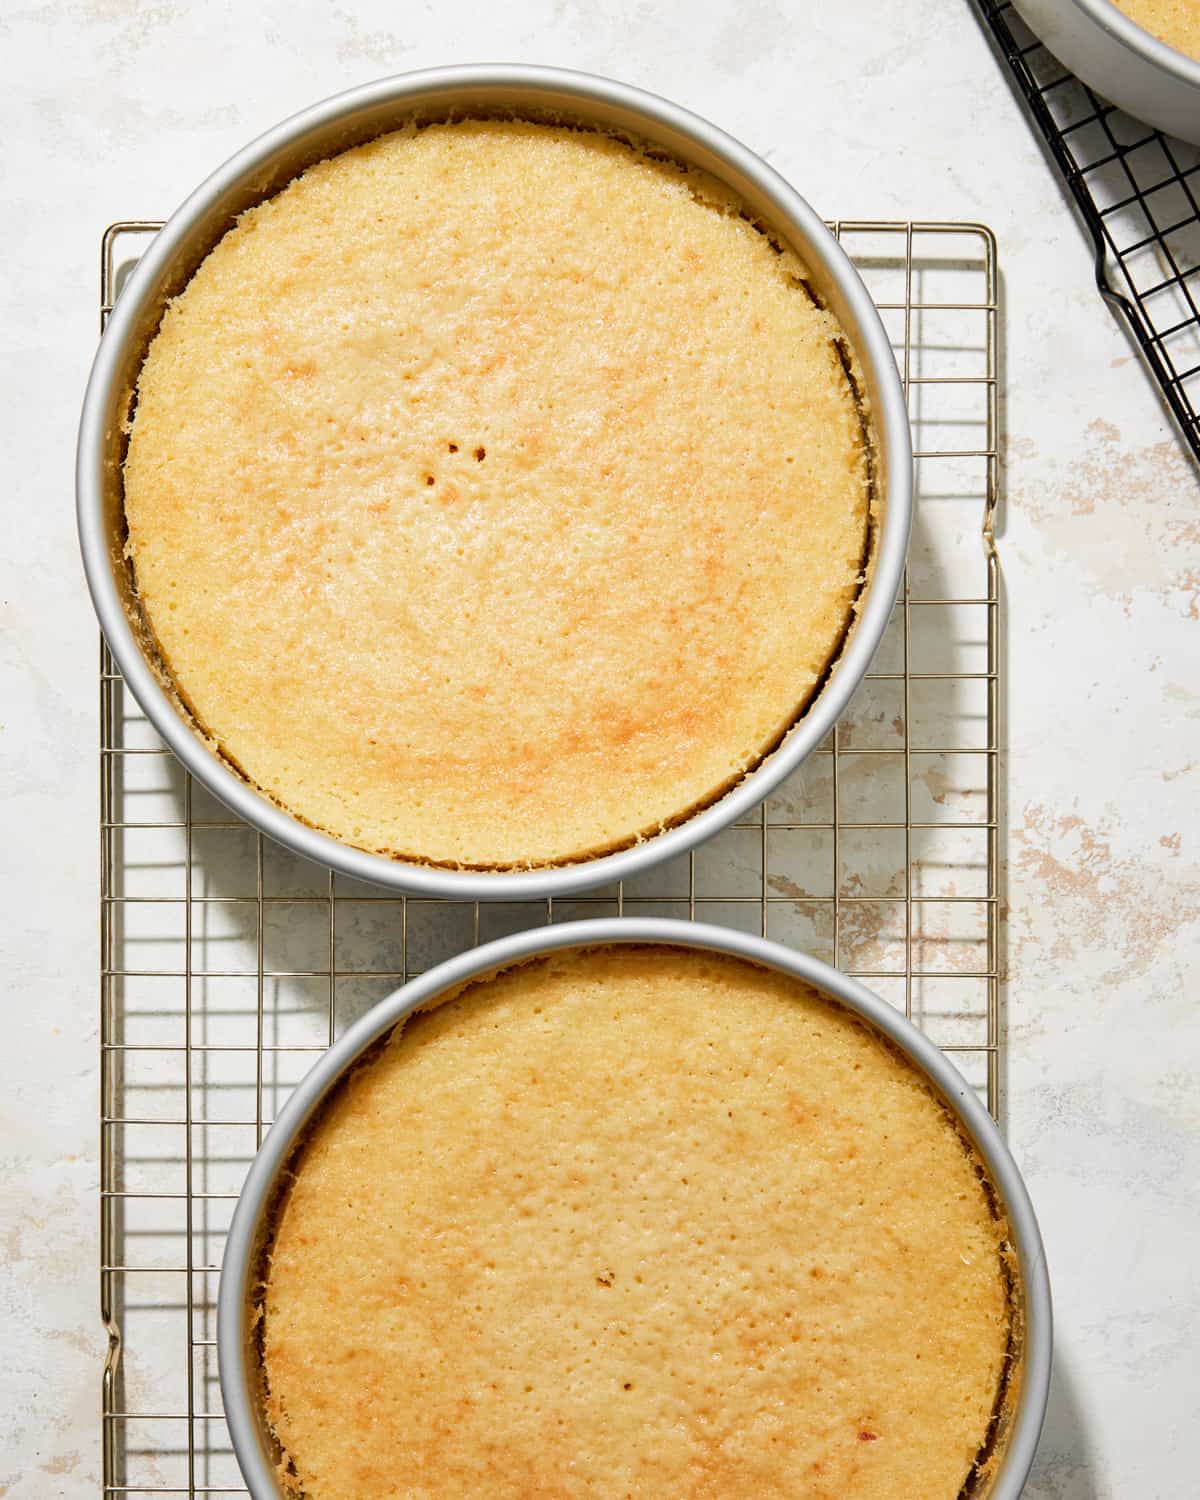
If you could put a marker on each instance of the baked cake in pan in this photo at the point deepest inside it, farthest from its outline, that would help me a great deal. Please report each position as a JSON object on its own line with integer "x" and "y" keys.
{"x": 636, "y": 1222}
{"x": 497, "y": 494}
{"x": 1176, "y": 22}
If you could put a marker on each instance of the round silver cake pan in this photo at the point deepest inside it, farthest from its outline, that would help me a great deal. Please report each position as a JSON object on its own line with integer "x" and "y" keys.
{"x": 1122, "y": 61}
{"x": 241, "y": 1268}
{"x": 266, "y": 166}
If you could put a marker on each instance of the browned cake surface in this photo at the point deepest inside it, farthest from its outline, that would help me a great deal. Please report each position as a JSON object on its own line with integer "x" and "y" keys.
{"x": 495, "y": 495}
{"x": 635, "y": 1222}
{"x": 1176, "y": 22}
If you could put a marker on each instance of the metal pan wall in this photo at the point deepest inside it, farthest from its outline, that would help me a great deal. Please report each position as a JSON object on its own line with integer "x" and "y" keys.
{"x": 266, "y": 166}
{"x": 1122, "y": 61}
{"x": 239, "y": 1372}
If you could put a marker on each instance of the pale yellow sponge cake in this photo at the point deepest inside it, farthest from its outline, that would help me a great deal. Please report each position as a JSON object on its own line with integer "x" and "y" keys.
{"x": 636, "y": 1222}
{"x": 1176, "y": 22}
{"x": 497, "y": 495}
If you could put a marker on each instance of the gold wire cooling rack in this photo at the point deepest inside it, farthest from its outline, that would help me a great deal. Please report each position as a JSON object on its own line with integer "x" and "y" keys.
{"x": 228, "y": 964}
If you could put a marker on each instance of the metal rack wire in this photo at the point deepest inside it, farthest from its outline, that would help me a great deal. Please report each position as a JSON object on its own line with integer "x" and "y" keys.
{"x": 228, "y": 965}
{"x": 1138, "y": 193}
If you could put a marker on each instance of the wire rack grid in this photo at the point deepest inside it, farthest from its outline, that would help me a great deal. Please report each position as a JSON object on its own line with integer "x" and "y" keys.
{"x": 228, "y": 965}
{"x": 1138, "y": 193}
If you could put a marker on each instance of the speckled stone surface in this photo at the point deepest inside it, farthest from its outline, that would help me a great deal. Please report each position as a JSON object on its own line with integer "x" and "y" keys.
{"x": 116, "y": 109}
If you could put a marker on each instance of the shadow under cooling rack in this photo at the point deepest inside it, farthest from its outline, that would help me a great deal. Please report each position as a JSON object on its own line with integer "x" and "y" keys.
{"x": 228, "y": 964}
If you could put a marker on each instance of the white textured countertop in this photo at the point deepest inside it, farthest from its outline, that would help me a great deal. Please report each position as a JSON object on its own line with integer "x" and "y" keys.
{"x": 115, "y": 109}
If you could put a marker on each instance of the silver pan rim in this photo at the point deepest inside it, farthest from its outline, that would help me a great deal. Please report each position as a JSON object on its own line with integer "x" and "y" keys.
{"x": 508, "y": 85}
{"x": 238, "y": 1371}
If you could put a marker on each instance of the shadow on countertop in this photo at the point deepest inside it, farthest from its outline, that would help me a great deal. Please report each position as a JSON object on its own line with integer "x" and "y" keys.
{"x": 1065, "y": 1466}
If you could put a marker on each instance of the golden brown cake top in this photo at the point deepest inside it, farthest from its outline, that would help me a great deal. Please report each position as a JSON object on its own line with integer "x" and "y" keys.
{"x": 635, "y": 1222}
{"x": 496, "y": 494}
{"x": 1176, "y": 22}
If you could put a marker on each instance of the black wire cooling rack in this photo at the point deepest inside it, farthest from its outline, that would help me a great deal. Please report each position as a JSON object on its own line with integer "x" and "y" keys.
{"x": 1138, "y": 192}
